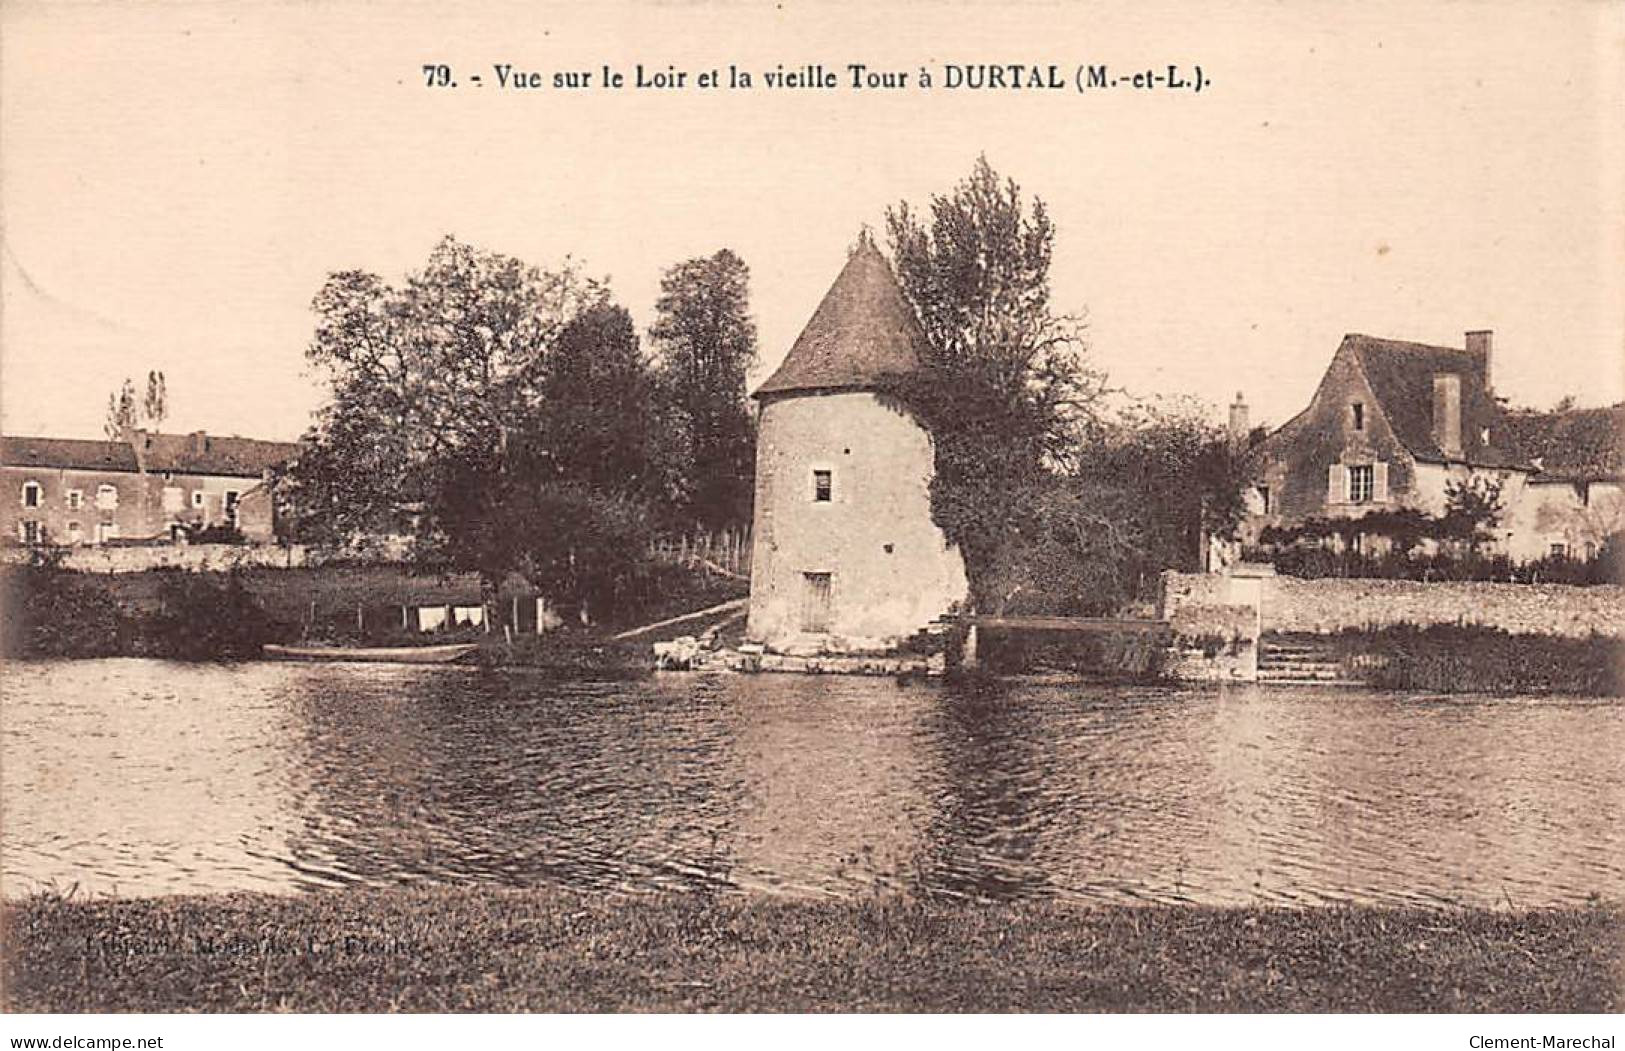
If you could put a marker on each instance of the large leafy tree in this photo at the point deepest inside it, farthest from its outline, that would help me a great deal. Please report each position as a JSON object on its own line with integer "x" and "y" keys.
{"x": 1006, "y": 384}
{"x": 705, "y": 342}
{"x": 428, "y": 380}
{"x": 603, "y": 421}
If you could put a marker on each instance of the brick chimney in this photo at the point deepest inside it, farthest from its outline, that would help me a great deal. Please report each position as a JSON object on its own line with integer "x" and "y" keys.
{"x": 197, "y": 443}
{"x": 1447, "y": 412}
{"x": 1480, "y": 341}
{"x": 1238, "y": 420}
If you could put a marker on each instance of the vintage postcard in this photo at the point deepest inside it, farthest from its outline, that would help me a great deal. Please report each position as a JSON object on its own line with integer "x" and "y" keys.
{"x": 890, "y": 508}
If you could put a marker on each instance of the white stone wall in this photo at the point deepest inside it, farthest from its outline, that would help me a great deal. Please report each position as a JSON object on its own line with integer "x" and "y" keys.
{"x": 1330, "y": 605}
{"x": 110, "y": 559}
{"x": 1580, "y": 518}
{"x": 891, "y": 569}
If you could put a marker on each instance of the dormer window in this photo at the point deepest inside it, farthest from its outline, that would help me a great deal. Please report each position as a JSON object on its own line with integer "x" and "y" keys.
{"x": 1359, "y": 415}
{"x": 823, "y": 486}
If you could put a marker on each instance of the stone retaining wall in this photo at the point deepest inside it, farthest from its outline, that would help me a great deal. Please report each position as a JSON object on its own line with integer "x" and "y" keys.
{"x": 216, "y": 557}
{"x": 1328, "y": 605}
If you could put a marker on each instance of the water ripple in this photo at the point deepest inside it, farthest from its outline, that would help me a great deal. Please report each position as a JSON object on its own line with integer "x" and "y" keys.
{"x": 150, "y": 778}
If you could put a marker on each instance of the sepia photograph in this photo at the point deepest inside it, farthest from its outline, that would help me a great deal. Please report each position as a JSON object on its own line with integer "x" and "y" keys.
{"x": 917, "y": 508}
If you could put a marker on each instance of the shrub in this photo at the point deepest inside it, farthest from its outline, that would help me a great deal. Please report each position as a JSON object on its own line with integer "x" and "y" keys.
{"x": 1456, "y": 659}
{"x": 53, "y": 612}
{"x": 202, "y": 619}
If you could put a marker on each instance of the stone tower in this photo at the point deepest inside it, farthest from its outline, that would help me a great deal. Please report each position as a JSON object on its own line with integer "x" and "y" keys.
{"x": 846, "y": 556}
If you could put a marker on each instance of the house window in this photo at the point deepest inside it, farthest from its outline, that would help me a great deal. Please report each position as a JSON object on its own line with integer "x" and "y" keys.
{"x": 107, "y": 497}
{"x": 76, "y": 499}
{"x": 1359, "y": 415}
{"x": 106, "y": 531}
{"x": 1264, "y": 499}
{"x": 76, "y": 533}
{"x": 231, "y": 506}
{"x": 1560, "y": 550}
{"x": 1362, "y": 483}
{"x": 823, "y": 486}
{"x": 33, "y": 493}
{"x": 29, "y": 532}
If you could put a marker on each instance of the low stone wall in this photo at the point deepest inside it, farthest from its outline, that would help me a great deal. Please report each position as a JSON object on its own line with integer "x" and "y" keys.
{"x": 1328, "y": 605}
{"x": 217, "y": 557}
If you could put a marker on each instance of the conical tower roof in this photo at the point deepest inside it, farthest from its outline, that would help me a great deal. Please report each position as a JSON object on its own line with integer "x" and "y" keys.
{"x": 862, "y": 332}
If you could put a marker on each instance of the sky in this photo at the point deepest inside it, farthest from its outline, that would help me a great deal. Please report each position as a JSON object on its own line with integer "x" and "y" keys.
{"x": 177, "y": 179}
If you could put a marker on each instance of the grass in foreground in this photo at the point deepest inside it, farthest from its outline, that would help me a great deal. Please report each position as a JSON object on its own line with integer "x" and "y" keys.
{"x": 551, "y": 950}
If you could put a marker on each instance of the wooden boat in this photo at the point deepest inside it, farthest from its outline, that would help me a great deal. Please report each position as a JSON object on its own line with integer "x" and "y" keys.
{"x": 386, "y": 654}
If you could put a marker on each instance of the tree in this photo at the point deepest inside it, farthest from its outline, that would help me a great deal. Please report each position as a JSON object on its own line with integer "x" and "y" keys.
{"x": 602, "y": 422}
{"x": 1472, "y": 509}
{"x": 155, "y": 403}
{"x": 427, "y": 379}
{"x": 1005, "y": 386}
{"x": 502, "y": 416}
{"x": 125, "y": 413}
{"x": 706, "y": 342}
{"x": 122, "y": 416}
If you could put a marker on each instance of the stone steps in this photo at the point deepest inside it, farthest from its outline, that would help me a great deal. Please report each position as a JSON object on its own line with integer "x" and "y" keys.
{"x": 1296, "y": 660}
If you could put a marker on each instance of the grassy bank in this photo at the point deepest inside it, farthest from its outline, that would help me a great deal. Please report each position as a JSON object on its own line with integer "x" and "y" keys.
{"x": 550, "y": 950}
{"x": 1463, "y": 659}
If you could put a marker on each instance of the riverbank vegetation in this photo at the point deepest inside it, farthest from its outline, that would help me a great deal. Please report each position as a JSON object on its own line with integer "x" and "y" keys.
{"x": 556, "y": 950}
{"x": 1063, "y": 495}
{"x": 1469, "y": 659}
{"x": 176, "y": 614}
{"x": 506, "y": 420}
{"x": 1407, "y": 544}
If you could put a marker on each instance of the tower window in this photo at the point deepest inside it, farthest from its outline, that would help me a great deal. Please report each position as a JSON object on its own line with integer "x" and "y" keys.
{"x": 1359, "y": 415}
{"x": 823, "y": 486}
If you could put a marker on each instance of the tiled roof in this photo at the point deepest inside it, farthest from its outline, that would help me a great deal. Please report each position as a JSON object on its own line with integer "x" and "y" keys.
{"x": 71, "y": 453}
{"x": 181, "y": 453}
{"x": 862, "y": 332}
{"x": 1576, "y": 445}
{"x": 1401, "y": 376}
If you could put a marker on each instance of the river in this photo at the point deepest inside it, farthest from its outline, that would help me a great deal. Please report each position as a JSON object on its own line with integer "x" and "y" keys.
{"x": 139, "y": 778}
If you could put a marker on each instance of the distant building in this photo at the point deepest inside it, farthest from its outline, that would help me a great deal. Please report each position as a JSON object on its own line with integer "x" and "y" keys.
{"x": 1393, "y": 424}
{"x": 1576, "y": 496}
{"x": 846, "y": 555}
{"x": 69, "y": 491}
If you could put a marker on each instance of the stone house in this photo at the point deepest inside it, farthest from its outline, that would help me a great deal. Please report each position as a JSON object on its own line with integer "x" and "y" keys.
{"x": 1394, "y": 424}
{"x": 70, "y": 491}
{"x": 1575, "y": 498}
{"x": 846, "y": 557}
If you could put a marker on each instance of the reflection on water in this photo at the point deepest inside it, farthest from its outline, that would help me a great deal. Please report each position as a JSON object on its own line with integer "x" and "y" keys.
{"x": 143, "y": 777}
